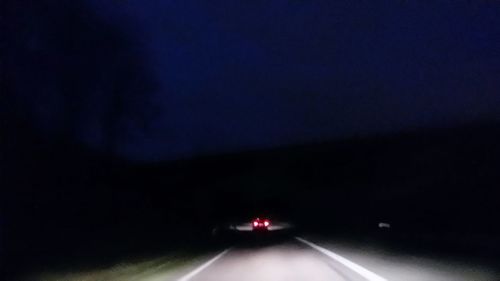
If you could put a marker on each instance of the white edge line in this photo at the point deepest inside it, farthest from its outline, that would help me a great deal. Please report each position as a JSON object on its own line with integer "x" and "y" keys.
{"x": 349, "y": 264}
{"x": 203, "y": 266}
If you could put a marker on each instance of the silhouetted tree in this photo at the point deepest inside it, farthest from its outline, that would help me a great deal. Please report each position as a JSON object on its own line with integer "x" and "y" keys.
{"x": 74, "y": 74}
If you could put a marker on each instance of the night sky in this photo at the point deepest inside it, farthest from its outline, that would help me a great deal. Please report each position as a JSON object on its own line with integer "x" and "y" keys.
{"x": 159, "y": 80}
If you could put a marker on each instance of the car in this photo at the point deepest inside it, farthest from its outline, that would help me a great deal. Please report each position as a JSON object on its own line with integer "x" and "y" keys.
{"x": 259, "y": 224}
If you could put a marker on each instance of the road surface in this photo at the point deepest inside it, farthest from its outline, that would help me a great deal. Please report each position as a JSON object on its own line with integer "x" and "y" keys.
{"x": 295, "y": 259}
{"x": 304, "y": 260}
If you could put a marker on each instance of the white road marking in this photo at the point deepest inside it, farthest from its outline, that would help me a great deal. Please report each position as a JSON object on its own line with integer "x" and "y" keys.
{"x": 349, "y": 264}
{"x": 203, "y": 266}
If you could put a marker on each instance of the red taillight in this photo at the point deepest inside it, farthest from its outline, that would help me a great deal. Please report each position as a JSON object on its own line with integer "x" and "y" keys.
{"x": 255, "y": 223}
{"x": 266, "y": 223}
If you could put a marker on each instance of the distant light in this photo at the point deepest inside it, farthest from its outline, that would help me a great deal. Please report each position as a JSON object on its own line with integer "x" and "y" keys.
{"x": 255, "y": 223}
{"x": 266, "y": 223}
{"x": 384, "y": 225}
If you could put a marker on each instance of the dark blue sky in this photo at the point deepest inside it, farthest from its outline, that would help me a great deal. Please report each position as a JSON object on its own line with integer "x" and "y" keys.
{"x": 232, "y": 75}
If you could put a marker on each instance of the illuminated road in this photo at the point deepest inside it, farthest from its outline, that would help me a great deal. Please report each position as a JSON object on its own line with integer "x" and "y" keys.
{"x": 293, "y": 260}
{"x": 298, "y": 260}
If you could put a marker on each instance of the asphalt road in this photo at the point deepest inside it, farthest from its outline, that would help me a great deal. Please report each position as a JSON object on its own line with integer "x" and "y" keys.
{"x": 298, "y": 259}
